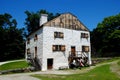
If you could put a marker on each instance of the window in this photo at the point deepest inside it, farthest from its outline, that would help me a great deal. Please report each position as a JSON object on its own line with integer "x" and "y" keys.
{"x": 58, "y": 35}
{"x": 35, "y": 51}
{"x": 84, "y": 35}
{"x": 28, "y": 54}
{"x": 58, "y": 47}
{"x": 35, "y": 37}
{"x": 85, "y": 48}
{"x": 28, "y": 41}
{"x": 28, "y": 51}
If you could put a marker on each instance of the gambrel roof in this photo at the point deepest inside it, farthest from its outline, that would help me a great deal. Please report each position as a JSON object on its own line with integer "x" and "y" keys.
{"x": 67, "y": 20}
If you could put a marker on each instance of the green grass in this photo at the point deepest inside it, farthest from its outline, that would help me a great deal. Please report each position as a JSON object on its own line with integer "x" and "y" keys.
{"x": 105, "y": 61}
{"x": 98, "y": 73}
{"x": 14, "y": 65}
{"x": 101, "y": 73}
{"x": 118, "y": 63}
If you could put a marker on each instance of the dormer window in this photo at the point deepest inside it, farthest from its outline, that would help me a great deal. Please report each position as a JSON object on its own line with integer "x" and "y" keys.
{"x": 84, "y": 35}
{"x": 58, "y": 35}
{"x": 35, "y": 37}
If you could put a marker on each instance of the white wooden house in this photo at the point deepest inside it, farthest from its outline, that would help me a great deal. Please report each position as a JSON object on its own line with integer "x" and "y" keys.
{"x": 57, "y": 42}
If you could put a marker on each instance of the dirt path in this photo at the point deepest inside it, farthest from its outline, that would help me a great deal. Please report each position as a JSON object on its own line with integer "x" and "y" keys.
{"x": 115, "y": 68}
{"x": 17, "y": 77}
{"x": 26, "y": 76}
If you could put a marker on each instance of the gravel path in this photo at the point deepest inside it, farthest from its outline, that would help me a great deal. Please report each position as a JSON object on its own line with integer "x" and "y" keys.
{"x": 26, "y": 76}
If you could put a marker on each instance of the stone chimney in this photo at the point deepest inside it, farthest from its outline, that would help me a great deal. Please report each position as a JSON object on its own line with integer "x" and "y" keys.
{"x": 43, "y": 19}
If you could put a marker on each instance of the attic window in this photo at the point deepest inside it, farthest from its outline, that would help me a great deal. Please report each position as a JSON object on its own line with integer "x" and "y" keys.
{"x": 84, "y": 35}
{"x": 35, "y": 37}
{"x": 58, "y": 47}
{"x": 58, "y": 35}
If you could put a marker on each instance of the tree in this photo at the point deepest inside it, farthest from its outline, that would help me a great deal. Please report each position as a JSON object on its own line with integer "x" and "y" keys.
{"x": 11, "y": 39}
{"x": 32, "y": 20}
{"x": 106, "y": 37}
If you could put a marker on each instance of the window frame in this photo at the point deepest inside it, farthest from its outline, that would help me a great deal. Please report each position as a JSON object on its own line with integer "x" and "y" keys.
{"x": 58, "y": 48}
{"x": 84, "y": 48}
{"x": 84, "y": 35}
{"x": 58, "y": 35}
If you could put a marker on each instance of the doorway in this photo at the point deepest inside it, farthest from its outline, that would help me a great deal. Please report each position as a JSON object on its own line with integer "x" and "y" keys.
{"x": 49, "y": 63}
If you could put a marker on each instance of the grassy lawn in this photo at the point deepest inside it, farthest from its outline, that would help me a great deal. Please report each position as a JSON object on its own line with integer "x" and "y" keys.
{"x": 14, "y": 65}
{"x": 119, "y": 63}
{"x": 99, "y": 73}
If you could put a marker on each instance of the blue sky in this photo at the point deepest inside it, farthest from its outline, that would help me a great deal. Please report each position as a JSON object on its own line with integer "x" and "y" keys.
{"x": 89, "y": 12}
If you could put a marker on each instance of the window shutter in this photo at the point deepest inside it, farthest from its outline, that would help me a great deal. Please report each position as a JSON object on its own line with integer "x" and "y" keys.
{"x": 63, "y": 48}
{"x": 61, "y": 35}
{"x": 55, "y": 34}
{"x": 54, "y": 48}
{"x": 82, "y": 35}
{"x": 86, "y": 35}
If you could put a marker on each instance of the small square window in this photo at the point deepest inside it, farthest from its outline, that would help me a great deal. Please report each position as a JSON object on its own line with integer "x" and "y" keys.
{"x": 85, "y": 48}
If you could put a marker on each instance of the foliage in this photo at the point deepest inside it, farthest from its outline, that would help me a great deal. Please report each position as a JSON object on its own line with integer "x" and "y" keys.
{"x": 32, "y": 20}
{"x": 99, "y": 73}
{"x": 11, "y": 38}
{"x": 14, "y": 65}
{"x": 106, "y": 37}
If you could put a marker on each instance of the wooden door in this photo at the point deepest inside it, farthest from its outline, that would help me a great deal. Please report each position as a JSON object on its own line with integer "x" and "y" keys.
{"x": 73, "y": 51}
{"x": 49, "y": 63}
